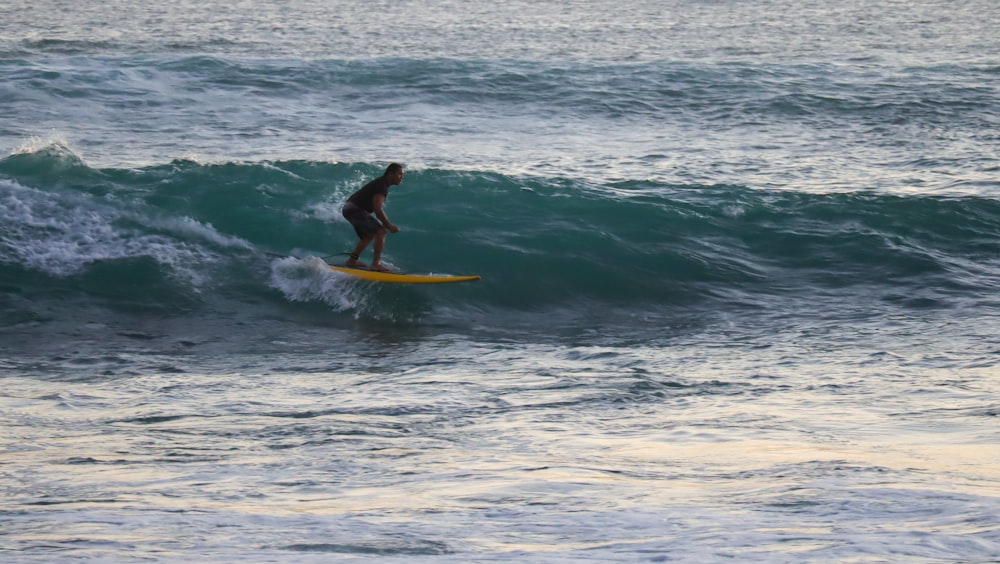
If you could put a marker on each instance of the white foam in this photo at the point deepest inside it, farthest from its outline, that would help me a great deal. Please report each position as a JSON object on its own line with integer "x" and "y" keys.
{"x": 205, "y": 231}
{"x": 734, "y": 211}
{"x": 60, "y": 233}
{"x": 54, "y": 142}
{"x": 309, "y": 279}
{"x": 327, "y": 211}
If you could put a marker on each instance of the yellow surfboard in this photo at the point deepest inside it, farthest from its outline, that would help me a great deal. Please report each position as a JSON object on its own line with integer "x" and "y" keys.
{"x": 400, "y": 278}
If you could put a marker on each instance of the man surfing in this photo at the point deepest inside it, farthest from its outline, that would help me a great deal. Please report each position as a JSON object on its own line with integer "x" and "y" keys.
{"x": 365, "y": 209}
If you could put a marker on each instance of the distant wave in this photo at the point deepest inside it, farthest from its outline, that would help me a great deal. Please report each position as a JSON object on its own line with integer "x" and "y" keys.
{"x": 819, "y": 126}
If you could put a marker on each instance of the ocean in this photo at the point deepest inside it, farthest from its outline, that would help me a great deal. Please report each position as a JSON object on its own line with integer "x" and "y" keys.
{"x": 739, "y": 264}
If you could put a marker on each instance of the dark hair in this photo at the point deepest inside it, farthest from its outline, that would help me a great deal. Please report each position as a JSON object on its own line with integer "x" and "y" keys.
{"x": 394, "y": 167}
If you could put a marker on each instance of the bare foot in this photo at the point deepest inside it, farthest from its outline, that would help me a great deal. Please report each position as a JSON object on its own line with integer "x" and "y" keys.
{"x": 377, "y": 266}
{"x": 355, "y": 263}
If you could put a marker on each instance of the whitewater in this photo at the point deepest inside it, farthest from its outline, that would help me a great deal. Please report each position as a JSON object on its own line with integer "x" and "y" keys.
{"x": 738, "y": 302}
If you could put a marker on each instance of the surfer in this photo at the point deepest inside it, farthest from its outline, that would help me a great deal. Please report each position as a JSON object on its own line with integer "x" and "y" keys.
{"x": 365, "y": 209}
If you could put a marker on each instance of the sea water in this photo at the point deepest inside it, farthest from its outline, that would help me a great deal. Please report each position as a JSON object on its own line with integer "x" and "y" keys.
{"x": 740, "y": 266}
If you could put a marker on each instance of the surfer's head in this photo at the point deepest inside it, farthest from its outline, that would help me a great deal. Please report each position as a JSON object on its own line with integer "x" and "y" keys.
{"x": 394, "y": 173}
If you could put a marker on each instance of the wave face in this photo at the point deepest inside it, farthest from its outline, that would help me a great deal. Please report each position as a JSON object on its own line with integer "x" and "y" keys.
{"x": 233, "y": 241}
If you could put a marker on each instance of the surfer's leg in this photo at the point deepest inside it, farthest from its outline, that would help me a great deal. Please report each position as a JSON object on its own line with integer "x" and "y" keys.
{"x": 360, "y": 248}
{"x": 379, "y": 245}
{"x": 367, "y": 228}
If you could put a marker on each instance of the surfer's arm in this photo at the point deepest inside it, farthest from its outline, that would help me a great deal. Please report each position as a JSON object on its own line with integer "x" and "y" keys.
{"x": 379, "y": 204}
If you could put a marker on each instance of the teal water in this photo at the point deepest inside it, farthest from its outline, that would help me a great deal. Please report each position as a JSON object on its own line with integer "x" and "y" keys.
{"x": 739, "y": 265}
{"x": 175, "y": 238}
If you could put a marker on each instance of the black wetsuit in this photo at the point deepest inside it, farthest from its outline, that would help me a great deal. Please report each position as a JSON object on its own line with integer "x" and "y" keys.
{"x": 365, "y": 197}
{"x": 361, "y": 205}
